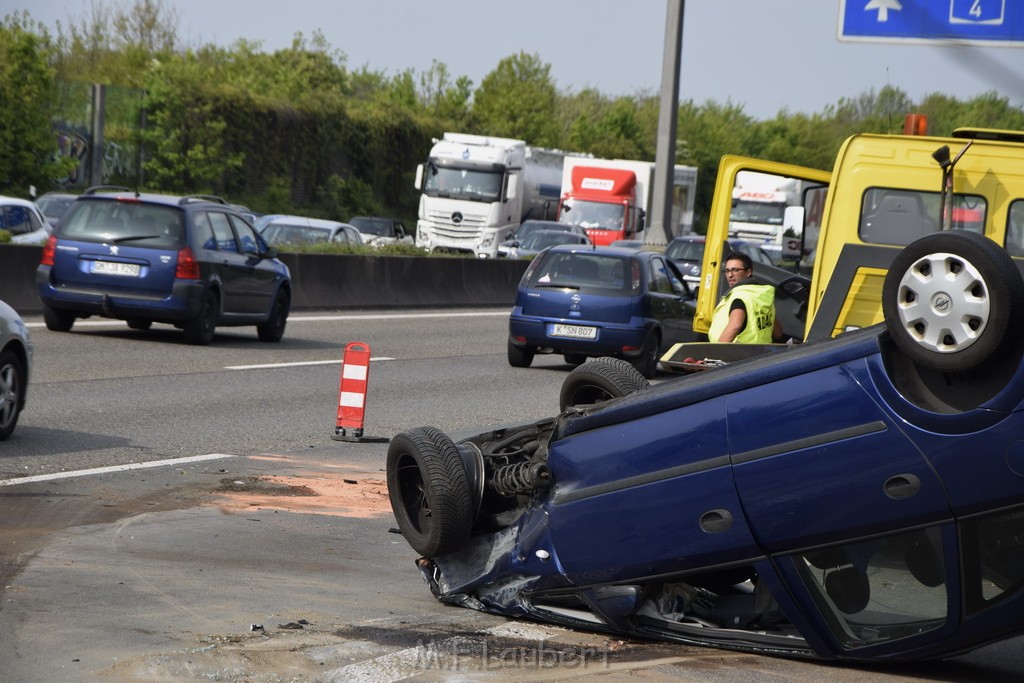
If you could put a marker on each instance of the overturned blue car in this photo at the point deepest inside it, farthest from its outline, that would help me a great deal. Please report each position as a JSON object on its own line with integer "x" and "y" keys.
{"x": 857, "y": 498}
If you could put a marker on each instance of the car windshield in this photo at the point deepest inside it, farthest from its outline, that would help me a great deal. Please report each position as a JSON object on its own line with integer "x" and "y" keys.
{"x": 593, "y": 214}
{"x": 373, "y": 226}
{"x": 757, "y": 212}
{"x": 284, "y": 233}
{"x": 685, "y": 250}
{"x": 54, "y": 207}
{"x": 588, "y": 271}
{"x": 549, "y": 238}
{"x": 463, "y": 183}
{"x": 124, "y": 222}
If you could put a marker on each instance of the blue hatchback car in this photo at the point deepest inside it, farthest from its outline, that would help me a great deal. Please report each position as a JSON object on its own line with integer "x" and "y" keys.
{"x": 193, "y": 262}
{"x": 583, "y": 301}
{"x": 856, "y": 498}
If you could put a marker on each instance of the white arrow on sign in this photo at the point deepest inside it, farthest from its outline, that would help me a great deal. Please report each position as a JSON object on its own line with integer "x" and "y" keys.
{"x": 883, "y": 7}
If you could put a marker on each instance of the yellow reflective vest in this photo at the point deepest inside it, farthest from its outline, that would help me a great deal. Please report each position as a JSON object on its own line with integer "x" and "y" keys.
{"x": 759, "y": 301}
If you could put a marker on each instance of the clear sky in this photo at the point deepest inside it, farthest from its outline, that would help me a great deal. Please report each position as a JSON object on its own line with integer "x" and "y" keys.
{"x": 766, "y": 55}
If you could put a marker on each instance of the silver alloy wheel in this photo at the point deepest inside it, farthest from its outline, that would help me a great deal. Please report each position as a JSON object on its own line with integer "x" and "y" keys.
{"x": 943, "y": 303}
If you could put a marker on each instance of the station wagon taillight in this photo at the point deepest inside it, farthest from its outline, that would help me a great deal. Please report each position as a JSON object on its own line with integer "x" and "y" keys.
{"x": 48, "y": 251}
{"x": 188, "y": 267}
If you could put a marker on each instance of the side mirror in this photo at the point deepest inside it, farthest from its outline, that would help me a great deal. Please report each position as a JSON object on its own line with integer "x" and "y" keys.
{"x": 418, "y": 184}
{"x": 513, "y": 187}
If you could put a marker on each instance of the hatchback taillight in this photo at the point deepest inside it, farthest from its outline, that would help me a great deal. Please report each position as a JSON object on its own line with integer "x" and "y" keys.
{"x": 188, "y": 267}
{"x": 48, "y": 251}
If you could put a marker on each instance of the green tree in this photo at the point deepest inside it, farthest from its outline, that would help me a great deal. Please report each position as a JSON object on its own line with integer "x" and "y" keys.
{"x": 28, "y": 147}
{"x": 517, "y": 100}
{"x": 446, "y": 100}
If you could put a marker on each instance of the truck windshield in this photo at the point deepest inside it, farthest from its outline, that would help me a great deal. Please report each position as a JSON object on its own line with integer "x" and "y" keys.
{"x": 757, "y": 212}
{"x": 589, "y": 214}
{"x": 484, "y": 186}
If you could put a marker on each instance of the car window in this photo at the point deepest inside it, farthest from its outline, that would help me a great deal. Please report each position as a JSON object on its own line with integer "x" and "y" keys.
{"x": 222, "y": 233}
{"x": 1015, "y": 229}
{"x": 17, "y": 220}
{"x": 589, "y": 272}
{"x": 685, "y": 250}
{"x": 659, "y": 277}
{"x": 124, "y": 222}
{"x": 246, "y": 236}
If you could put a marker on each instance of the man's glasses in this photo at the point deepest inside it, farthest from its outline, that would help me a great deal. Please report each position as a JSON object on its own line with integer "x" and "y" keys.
{"x": 729, "y": 271}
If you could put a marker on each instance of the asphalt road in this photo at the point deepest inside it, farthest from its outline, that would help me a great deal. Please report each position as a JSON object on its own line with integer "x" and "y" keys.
{"x": 163, "y": 572}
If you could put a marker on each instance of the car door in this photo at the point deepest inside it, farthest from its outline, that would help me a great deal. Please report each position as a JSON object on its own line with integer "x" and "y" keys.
{"x": 670, "y": 303}
{"x": 261, "y": 278}
{"x": 231, "y": 266}
{"x": 854, "y": 517}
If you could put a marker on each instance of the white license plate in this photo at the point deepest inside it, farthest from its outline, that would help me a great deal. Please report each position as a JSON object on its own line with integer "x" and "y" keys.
{"x": 111, "y": 268}
{"x": 573, "y": 331}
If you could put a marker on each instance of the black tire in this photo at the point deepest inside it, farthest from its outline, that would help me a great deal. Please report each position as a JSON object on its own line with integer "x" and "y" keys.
{"x": 200, "y": 330}
{"x": 429, "y": 491}
{"x": 647, "y": 362}
{"x": 12, "y": 392}
{"x": 574, "y": 358}
{"x": 273, "y": 329}
{"x": 58, "y": 320}
{"x": 951, "y": 299}
{"x": 519, "y": 356}
{"x": 139, "y": 324}
{"x": 598, "y": 380}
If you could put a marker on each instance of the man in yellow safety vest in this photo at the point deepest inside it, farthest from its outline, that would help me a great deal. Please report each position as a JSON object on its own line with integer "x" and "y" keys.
{"x": 746, "y": 313}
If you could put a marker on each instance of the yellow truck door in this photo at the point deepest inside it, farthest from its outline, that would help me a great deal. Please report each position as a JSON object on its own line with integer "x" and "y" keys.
{"x": 813, "y": 187}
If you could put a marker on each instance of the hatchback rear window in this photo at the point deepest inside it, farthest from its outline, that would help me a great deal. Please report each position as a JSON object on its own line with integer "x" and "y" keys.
{"x": 118, "y": 222}
{"x": 591, "y": 272}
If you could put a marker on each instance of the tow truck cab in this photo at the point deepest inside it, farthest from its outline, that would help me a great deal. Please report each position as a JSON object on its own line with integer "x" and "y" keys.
{"x": 884, "y": 192}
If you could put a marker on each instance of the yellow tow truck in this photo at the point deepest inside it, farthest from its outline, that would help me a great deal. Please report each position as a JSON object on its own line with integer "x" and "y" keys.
{"x": 884, "y": 192}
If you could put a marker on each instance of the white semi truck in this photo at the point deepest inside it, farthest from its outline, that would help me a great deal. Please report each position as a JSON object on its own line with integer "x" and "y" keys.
{"x": 759, "y": 210}
{"x": 476, "y": 190}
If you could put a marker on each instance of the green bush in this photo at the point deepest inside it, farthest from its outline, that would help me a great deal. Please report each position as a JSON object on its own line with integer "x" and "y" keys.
{"x": 5, "y": 237}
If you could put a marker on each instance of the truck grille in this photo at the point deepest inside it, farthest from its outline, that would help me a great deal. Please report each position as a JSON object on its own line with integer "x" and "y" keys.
{"x": 468, "y": 228}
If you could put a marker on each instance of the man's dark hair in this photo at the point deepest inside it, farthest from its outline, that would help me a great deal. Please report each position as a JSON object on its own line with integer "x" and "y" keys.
{"x": 742, "y": 258}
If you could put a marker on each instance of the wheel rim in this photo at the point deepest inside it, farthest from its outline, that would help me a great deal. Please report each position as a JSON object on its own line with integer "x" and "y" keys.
{"x": 943, "y": 303}
{"x": 8, "y": 395}
{"x": 413, "y": 494}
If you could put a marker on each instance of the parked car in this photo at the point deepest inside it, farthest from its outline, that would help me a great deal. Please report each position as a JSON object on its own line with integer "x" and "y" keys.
{"x": 144, "y": 258}
{"x": 539, "y": 240}
{"x": 15, "y": 366}
{"x": 55, "y": 204}
{"x": 301, "y": 230}
{"x": 23, "y": 220}
{"x": 377, "y": 231}
{"x": 530, "y": 226}
{"x": 599, "y": 301}
{"x": 687, "y": 252}
{"x": 857, "y": 498}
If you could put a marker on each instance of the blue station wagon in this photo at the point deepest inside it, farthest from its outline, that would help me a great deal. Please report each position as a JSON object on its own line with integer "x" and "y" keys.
{"x": 859, "y": 498}
{"x": 583, "y": 301}
{"x": 193, "y": 262}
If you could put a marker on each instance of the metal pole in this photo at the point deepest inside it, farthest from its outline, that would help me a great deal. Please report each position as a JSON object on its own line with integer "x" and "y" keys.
{"x": 660, "y": 229}
{"x": 99, "y": 106}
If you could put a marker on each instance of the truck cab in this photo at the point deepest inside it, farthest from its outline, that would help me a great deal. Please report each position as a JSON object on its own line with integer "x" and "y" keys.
{"x": 884, "y": 192}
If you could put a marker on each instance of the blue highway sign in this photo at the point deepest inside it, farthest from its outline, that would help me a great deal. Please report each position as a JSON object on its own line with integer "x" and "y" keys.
{"x": 948, "y": 22}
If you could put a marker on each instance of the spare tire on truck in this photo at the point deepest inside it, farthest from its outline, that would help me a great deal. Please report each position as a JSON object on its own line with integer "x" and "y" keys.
{"x": 952, "y": 299}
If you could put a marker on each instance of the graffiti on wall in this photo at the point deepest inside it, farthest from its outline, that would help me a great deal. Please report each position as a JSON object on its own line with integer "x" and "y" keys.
{"x": 73, "y": 144}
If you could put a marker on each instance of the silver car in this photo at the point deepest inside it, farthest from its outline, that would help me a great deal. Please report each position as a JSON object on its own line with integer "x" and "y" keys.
{"x": 15, "y": 361}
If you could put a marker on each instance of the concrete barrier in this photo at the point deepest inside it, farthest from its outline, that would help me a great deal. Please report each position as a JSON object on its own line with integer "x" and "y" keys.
{"x": 322, "y": 281}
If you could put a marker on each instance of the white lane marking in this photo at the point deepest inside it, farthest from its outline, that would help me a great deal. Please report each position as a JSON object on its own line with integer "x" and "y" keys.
{"x": 294, "y": 364}
{"x": 114, "y": 468}
{"x": 325, "y": 318}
